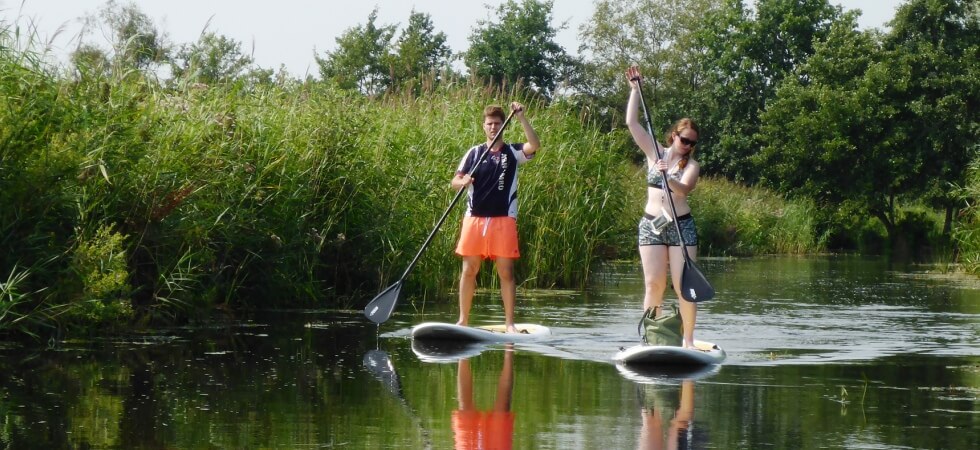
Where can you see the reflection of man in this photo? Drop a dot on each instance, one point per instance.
(492, 429)
(652, 433)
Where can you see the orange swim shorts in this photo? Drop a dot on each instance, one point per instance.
(489, 237)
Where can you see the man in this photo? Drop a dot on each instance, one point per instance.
(489, 229)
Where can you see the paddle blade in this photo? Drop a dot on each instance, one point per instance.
(694, 286)
(380, 309)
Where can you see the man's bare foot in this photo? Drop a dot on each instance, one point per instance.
(512, 329)
(461, 323)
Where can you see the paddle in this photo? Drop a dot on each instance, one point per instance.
(380, 308)
(694, 286)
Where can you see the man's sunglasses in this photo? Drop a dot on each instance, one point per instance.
(687, 141)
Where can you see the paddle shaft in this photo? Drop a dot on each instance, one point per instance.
(459, 194)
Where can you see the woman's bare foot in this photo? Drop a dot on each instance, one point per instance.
(512, 329)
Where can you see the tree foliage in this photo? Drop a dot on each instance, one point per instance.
(368, 61)
(716, 61)
(870, 120)
(742, 56)
(360, 61)
(420, 52)
(936, 43)
(519, 47)
(135, 40)
(829, 134)
(212, 59)
(651, 34)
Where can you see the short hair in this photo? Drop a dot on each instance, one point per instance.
(494, 111)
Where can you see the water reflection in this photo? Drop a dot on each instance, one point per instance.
(668, 418)
(443, 351)
(492, 429)
(813, 362)
(379, 364)
(665, 373)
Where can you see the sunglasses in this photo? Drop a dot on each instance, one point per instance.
(687, 141)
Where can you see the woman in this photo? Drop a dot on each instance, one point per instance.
(658, 240)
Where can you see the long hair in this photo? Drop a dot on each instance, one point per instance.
(681, 125)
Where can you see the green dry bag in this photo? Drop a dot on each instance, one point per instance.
(664, 329)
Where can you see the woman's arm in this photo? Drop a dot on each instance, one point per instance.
(640, 135)
(688, 181)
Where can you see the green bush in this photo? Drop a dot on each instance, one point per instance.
(100, 264)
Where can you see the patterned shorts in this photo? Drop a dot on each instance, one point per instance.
(669, 235)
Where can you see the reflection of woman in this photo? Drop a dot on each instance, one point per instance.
(678, 433)
(492, 429)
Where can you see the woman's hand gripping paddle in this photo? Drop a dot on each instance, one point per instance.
(379, 310)
(694, 286)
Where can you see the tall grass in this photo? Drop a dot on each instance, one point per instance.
(966, 234)
(737, 220)
(273, 195)
(127, 201)
(569, 195)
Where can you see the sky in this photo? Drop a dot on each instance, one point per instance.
(292, 31)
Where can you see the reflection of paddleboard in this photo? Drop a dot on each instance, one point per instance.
(663, 355)
(446, 351)
(665, 374)
(484, 333)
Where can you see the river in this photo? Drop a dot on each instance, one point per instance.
(822, 352)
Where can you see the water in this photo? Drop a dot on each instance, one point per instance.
(823, 352)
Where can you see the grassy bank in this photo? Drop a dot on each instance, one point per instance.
(737, 220)
(127, 202)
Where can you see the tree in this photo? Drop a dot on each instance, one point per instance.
(212, 59)
(649, 33)
(362, 58)
(783, 35)
(89, 59)
(715, 61)
(135, 41)
(420, 52)
(937, 44)
(743, 56)
(830, 132)
(871, 121)
(519, 47)
(729, 95)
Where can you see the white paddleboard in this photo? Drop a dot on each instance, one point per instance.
(483, 333)
(705, 353)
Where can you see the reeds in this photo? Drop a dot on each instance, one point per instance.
(737, 220)
(127, 200)
(966, 234)
(265, 195)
